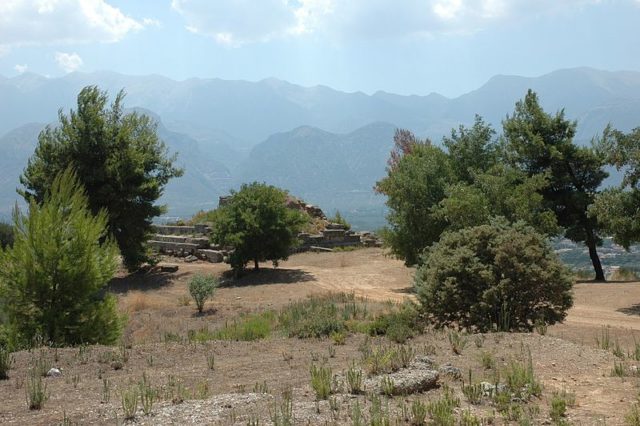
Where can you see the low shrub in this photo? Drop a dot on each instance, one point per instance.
(321, 378)
(247, 328)
(201, 288)
(6, 361)
(320, 316)
(496, 276)
(36, 390)
(398, 325)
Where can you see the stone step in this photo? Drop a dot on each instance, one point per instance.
(165, 247)
(180, 230)
(201, 242)
(213, 256)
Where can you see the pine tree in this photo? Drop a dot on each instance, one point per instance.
(53, 279)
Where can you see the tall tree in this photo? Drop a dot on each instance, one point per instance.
(430, 190)
(118, 158)
(618, 209)
(472, 150)
(538, 143)
(256, 222)
(416, 182)
(53, 278)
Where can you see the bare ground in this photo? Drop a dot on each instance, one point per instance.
(566, 358)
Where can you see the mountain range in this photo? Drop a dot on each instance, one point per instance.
(326, 146)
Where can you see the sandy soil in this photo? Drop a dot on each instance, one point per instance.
(156, 303)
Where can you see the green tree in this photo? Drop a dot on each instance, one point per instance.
(472, 150)
(415, 183)
(618, 209)
(496, 276)
(118, 159)
(538, 143)
(256, 222)
(53, 279)
(500, 192)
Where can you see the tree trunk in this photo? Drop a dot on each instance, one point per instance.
(256, 266)
(595, 259)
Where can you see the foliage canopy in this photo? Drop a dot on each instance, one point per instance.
(496, 276)
(53, 279)
(256, 222)
(539, 143)
(618, 209)
(430, 190)
(119, 160)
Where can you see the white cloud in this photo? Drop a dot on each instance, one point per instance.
(20, 68)
(38, 22)
(151, 22)
(237, 22)
(68, 61)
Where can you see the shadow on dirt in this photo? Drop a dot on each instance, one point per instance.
(143, 281)
(630, 310)
(404, 290)
(266, 277)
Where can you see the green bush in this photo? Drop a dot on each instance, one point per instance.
(398, 325)
(201, 288)
(494, 276)
(339, 219)
(53, 279)
(318, 316)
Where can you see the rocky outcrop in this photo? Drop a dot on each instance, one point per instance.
(421, 375)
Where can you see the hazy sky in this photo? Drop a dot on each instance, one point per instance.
(402, 46)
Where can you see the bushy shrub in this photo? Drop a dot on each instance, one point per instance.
(494, 276)
(338, 218)
(398, 325)
(201, 288)
(53, 279)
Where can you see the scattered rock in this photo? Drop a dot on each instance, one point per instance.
(190, 258)
(489, 389)
(168, 268)
(451, 371)
(419, 376)
(213, 256)
(54, 372)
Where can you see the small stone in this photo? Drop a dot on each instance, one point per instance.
(190, 258)
(168, 268)
(54, 372)
(451, 371)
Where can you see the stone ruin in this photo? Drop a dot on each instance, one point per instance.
(192, 242)
(186, 241)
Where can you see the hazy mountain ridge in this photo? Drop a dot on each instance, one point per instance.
(252, 111)
(229, 132)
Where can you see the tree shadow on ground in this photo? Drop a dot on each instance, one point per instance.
(630, 310)
(266, 277)
(143, 281)
(405, 290)
(606, 282)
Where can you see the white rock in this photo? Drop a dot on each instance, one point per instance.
(54, 372)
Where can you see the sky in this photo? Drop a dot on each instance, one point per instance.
(400, 46)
